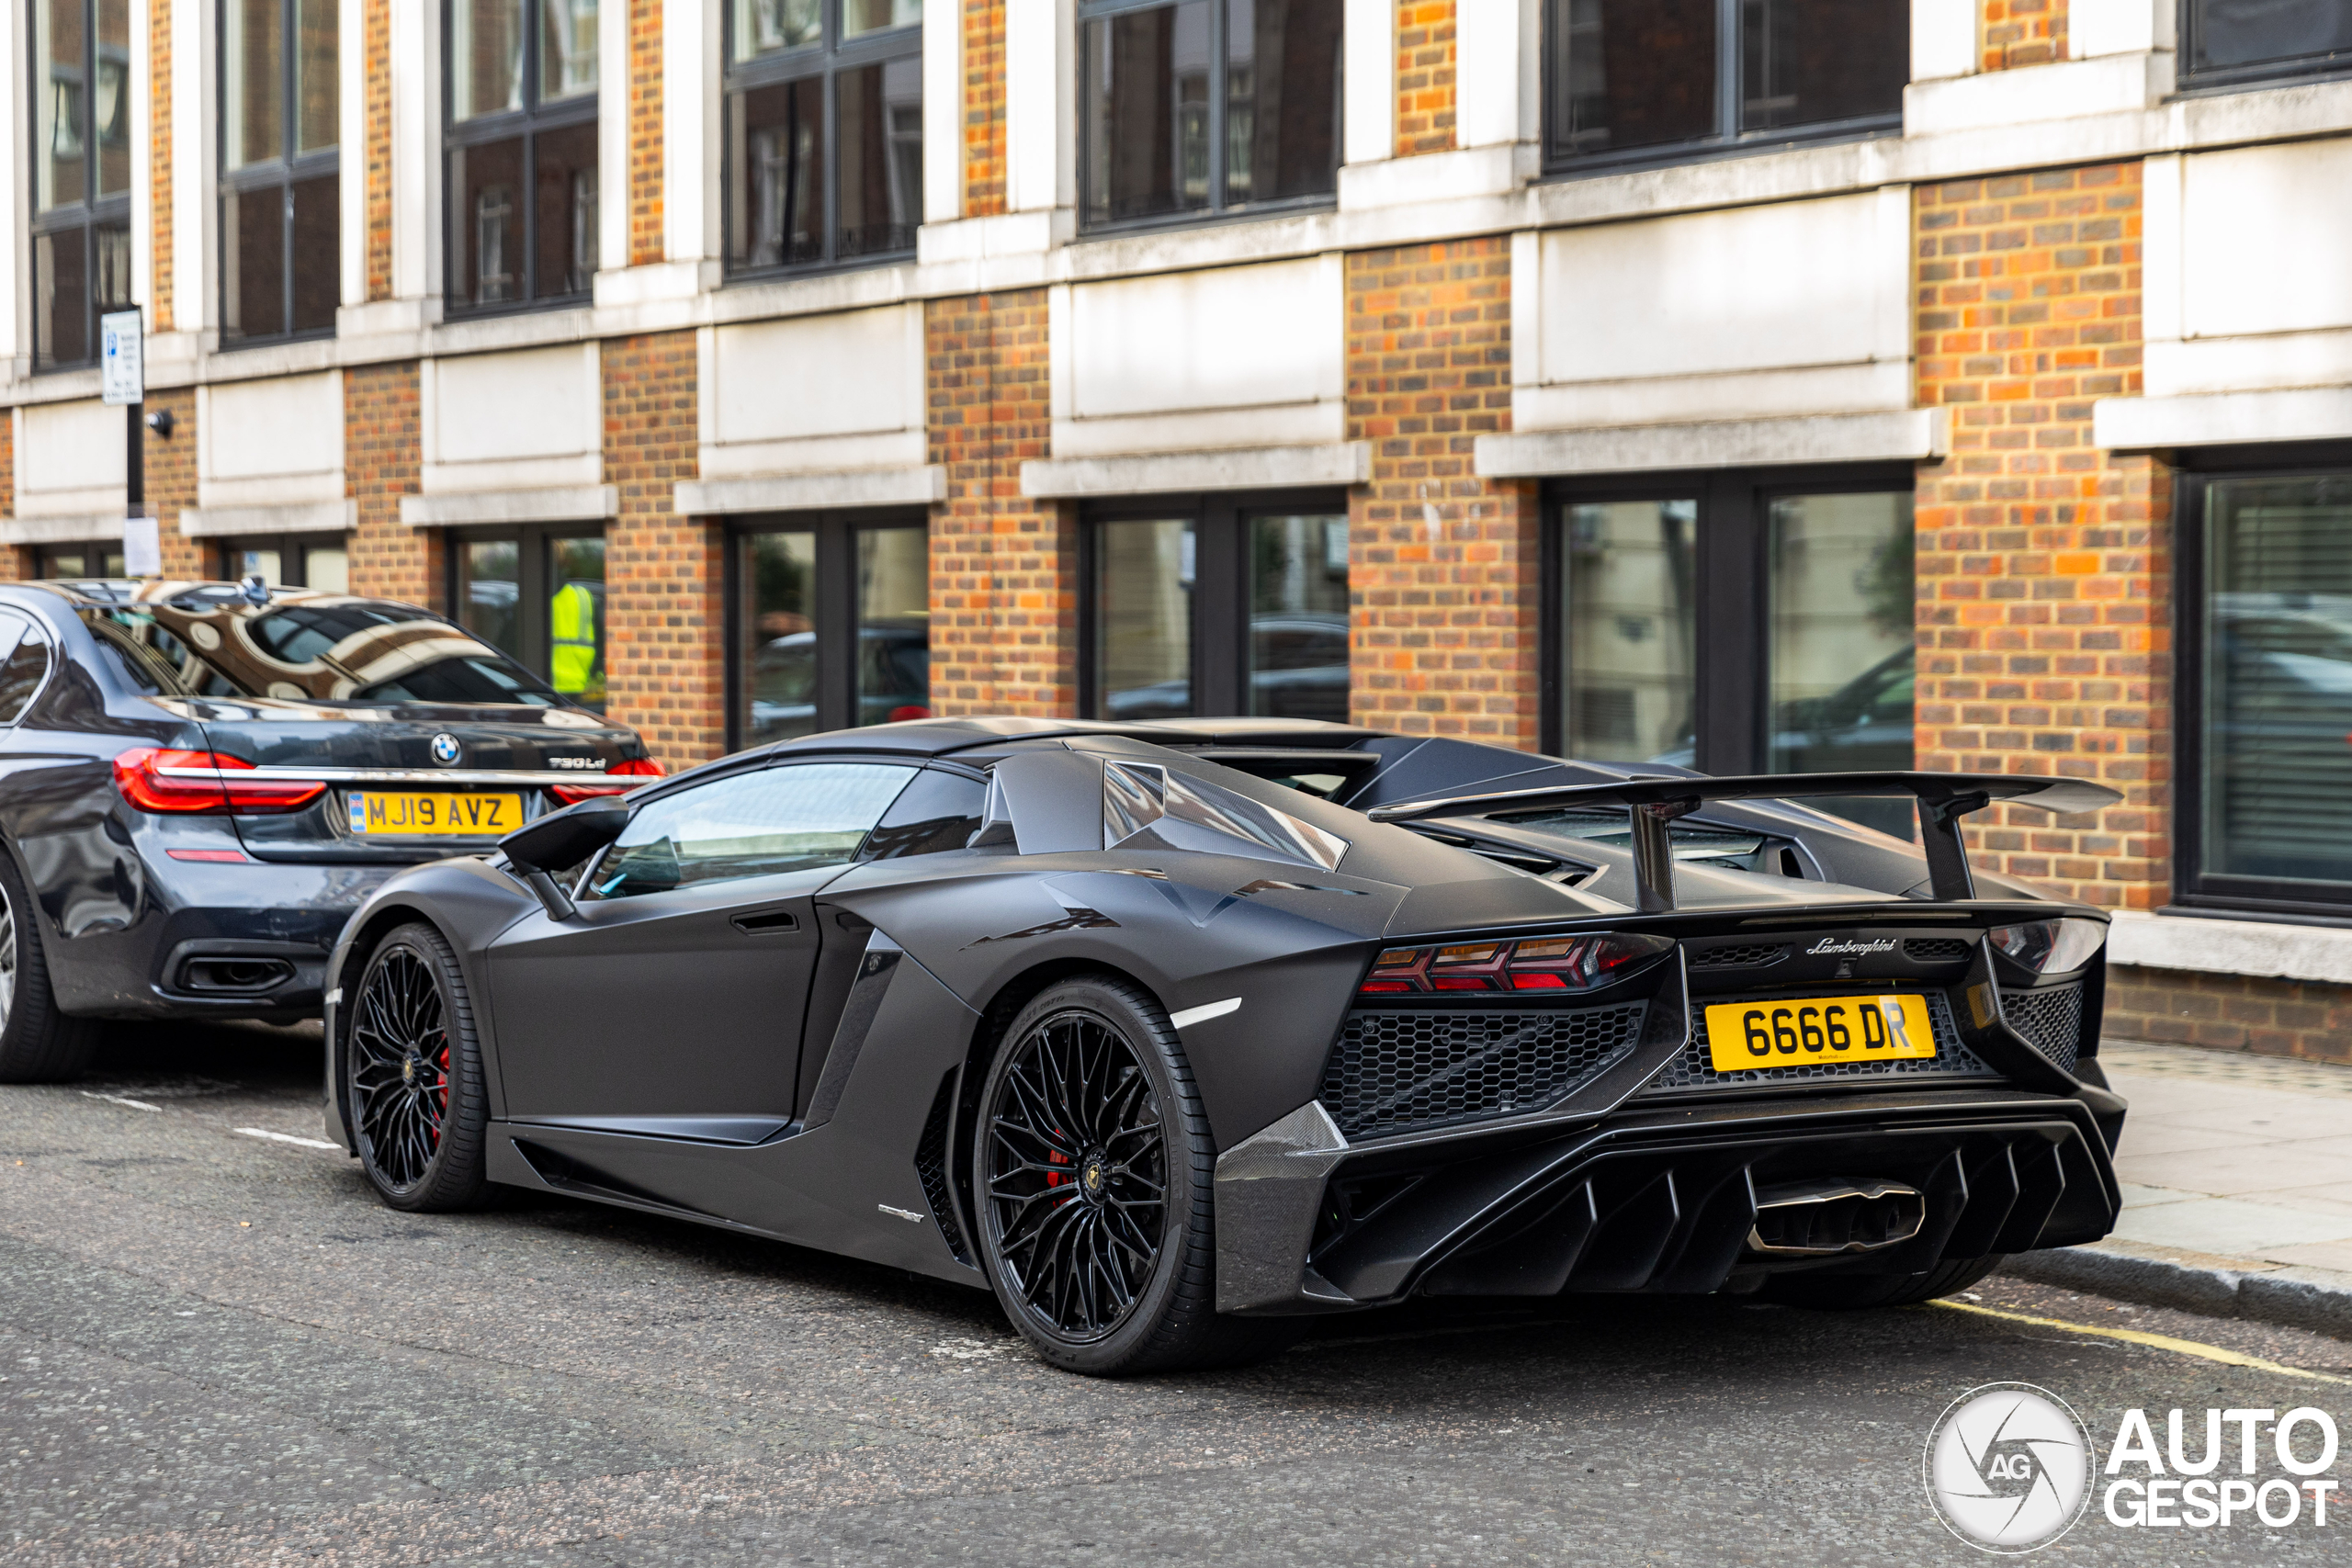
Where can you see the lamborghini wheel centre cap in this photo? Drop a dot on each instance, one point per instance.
(1091, 1174)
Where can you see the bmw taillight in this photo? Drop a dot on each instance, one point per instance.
(166, 780)
(635, 768)
(1536, 964)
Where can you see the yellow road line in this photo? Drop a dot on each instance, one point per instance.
(2159, 1341)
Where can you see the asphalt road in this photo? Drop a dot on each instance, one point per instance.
(217, 1348)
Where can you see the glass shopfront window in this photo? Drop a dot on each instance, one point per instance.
(536, 594)
(1737, 623)
(831, 624)
(2266, 625)
(286, 561)
(1220, 607)
(95, 557)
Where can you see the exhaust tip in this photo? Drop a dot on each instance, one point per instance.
(1832, 1218)
(234, 976)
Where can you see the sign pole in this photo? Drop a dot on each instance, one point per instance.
(122, 379)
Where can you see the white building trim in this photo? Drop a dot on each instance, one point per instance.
(922, 486)
(69, 528)
(1908, 435)
(1246, 468)
(2223, 419)
(559, 503)
(2322, 954)
(320, 517)
(1368, 74)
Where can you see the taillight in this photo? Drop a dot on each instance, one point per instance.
(635, 768)
(1538, 964)
(162, 780)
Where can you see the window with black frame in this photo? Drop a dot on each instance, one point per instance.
(2224, 43)
(522, 153)
(1218, 608)
(1722, 623)
(286, 561)
(1207, 106)
(2266, 625)
(536, 594)
(831, 624)
(1663, 78)
(824, 131)
(81, 175)
(280, 219)
(85, 558)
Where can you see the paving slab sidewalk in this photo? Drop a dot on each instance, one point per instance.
(2237, 1189)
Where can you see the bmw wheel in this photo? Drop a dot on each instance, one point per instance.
(38, 1043)
(1092, 1172)
(414, 1069)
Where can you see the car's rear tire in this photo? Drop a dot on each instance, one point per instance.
(414, 1080)
(1090, 1095)
(1850, 1293)
(38, 1043)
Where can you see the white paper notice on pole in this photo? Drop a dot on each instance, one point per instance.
(122, 379)
(143, 548)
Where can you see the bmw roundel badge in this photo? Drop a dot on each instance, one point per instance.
(446, 750)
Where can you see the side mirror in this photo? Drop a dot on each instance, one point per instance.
(561, 839)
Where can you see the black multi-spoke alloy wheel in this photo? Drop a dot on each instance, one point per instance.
(38, 1043)
(1092, 1175)
(413, 1074)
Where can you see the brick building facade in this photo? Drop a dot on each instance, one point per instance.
(1451, 370)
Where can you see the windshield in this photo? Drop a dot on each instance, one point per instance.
(327, 648)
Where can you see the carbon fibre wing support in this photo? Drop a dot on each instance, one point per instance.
(1944, 799)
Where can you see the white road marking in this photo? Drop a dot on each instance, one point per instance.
(288, 1138)
(1204, 1012)
(118, 1100)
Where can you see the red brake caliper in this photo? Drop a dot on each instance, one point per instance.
(1054, 1178)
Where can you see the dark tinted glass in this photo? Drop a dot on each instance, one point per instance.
(761, 823)
(1143, 619)
(1282, 94)
(1298, 617)
(779, 624)
(567, 216)
(21, 671)
(1816, 62)
(488, 184)
(62, 298)
(881, 157)
(490, 589)
(1145, 98)
(893, 625)
(252, 230)
(1629, 630)
(779, 217)
(939, 811)
(2308, 33)
(1632, 74)
(2277, 786)
(318, 282)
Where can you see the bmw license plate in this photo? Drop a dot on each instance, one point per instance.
(380, 813)
(1744, 1036)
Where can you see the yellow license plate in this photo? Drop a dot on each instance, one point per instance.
(1743, 1036)
(379, 812)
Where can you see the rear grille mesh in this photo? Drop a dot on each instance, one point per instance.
(1394, 1070)
(1937, 950)
(2051, 1020)
(1690, 1070)
(1745, 956)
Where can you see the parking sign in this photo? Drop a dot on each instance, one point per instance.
(122, 375)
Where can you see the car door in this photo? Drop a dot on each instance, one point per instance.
(672, 1002)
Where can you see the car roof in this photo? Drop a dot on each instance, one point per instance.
(944, 736)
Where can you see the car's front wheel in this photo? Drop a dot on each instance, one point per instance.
(412, 1065)
(1093, 1169)
(38, 1043)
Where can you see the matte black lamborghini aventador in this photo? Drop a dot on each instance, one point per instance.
(1173, 1034)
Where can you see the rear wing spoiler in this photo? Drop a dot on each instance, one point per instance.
(1653, 802)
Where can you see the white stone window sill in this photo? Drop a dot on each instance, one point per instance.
(2232, 947)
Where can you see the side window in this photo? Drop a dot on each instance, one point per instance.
(939, 811)
(754, 824)
(21, 671)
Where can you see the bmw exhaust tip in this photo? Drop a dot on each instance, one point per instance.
(1831, 1219)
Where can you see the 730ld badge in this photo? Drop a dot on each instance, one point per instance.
(1743, 1036)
